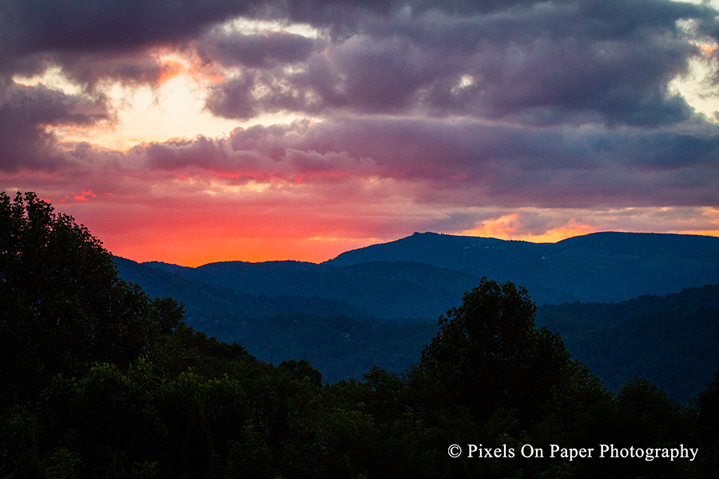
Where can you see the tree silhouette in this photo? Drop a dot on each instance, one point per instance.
(64, 307)
(488, 354)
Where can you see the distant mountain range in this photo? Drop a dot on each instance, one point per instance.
(341, 340)
(425, 274)
(380, 304)
(380, 289)
(596, 267)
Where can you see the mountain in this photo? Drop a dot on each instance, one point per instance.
(205, 302)
(671, 340)
(423, 275)
(383, 289)
(341, 340)
(596, 267)
(379, 305)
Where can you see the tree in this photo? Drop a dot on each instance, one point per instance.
(488, 354)
(301, 370)
(63, 305)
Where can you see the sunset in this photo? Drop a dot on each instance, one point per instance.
(189, 132)
(362, 239)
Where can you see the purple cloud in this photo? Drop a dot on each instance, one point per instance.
(257, 50)
(548, 63)
(26, 111)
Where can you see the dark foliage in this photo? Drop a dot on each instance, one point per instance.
(64, 307)
(104, 382)
(489, 354)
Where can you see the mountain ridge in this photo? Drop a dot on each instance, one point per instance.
(437, 268)
(605, 266)
(346, 317)
(385, 290)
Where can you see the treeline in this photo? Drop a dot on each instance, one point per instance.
(100, 380)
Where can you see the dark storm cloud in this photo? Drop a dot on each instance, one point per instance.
(106, 40)
(255, 92)
(91, 25)
(34, 32)
(342, 17)
(262, 86)
(459, 164)
(175, 155)
(357, 75)
(538, 63)
(33, 26)
(250, 161)
(90, 68)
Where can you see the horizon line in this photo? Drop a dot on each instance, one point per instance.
(518, 240)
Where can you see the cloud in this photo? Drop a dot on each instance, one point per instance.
(550, 225)
(474, 164)
(444, 163)
(86, 25)
(25, 114)
(255, 50)
(538, 64)
(89, 69)
(254, 93)
(534, 63)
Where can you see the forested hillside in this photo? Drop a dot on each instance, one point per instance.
(382, 289)
(340, 340)
(425, 274)
(101, 380)
(672, 340)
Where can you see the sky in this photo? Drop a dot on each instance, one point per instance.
(193, 131)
